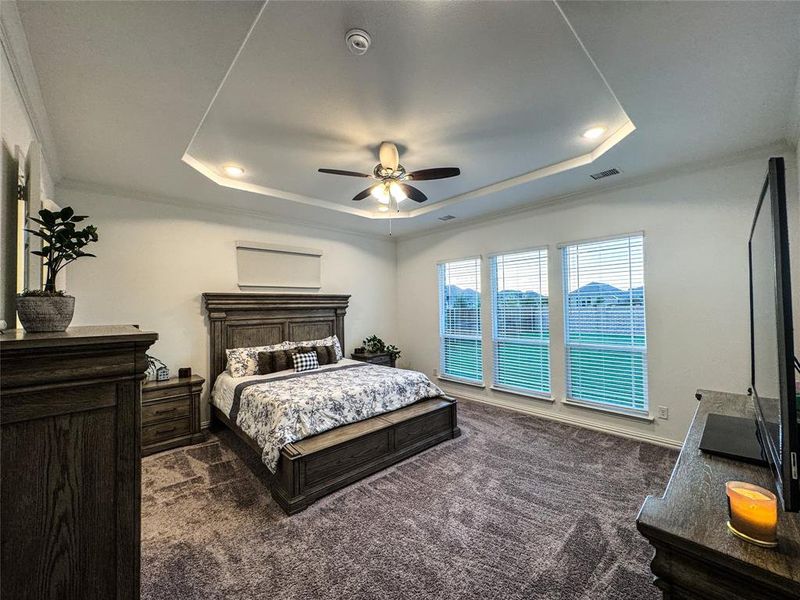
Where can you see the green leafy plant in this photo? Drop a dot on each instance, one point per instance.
(394, 351)
(374, 344)
(62, 244)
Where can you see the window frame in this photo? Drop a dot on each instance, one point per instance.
(643, 413)
(496, 385)
(443, 336)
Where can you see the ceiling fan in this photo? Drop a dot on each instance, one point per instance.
(393, 178)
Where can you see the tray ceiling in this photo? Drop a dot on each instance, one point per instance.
(505, 94)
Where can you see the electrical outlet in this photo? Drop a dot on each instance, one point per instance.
(663, 412)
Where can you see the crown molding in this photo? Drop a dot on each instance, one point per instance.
(581, 197)
(74, 185)
(571, 199)
(14, 42)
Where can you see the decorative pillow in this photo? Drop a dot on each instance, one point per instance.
(328, 341)
(322, 355)
(305, 361)
(274, 361)
(330, 351)
(244, 361)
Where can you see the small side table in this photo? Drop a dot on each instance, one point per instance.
(378, 358)
(171, 413)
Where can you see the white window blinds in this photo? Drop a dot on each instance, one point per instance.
(520, 322)
(604, 315)
(461, 356)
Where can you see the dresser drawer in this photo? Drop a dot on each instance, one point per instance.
(166, 410)
(159, 432)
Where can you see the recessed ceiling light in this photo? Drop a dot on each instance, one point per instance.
(594, 133)
(233, 170)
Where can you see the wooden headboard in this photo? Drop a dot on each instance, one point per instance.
(243, 320)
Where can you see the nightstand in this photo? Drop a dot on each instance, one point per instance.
(379, 358)
(171, 413)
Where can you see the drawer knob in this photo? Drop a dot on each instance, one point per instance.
(164, 411)
(166, 430)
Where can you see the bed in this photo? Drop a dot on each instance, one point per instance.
(310, 456)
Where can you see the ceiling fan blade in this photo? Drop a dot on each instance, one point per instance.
(363, 194)
(339, 172)
(389, 156)
(413, 192)
(438, 173)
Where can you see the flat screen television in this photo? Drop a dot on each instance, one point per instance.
(772, 360)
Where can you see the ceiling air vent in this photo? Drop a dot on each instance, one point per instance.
(607, 173)
(447, 218)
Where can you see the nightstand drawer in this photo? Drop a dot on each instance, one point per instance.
(152, 434)
(149, 392)
(166, 409)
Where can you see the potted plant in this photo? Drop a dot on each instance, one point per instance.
(49, 309)
(375, 345)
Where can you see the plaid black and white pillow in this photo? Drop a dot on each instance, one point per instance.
(305, 361)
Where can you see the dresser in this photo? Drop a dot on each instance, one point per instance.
(70, 460)
(171, 413)
(696, 558)
(375, 358)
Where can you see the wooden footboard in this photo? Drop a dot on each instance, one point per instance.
(319, 465)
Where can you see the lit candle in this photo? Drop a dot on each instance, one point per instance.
(753, 513)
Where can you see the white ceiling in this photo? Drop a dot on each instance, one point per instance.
(498, 89)
(498, 92)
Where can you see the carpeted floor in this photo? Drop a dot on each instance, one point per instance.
(517, 507)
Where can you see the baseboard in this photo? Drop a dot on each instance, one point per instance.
(568, 419)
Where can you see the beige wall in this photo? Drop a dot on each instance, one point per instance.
(155, 260)
(696, 229)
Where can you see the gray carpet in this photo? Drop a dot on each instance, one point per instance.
(517, 507)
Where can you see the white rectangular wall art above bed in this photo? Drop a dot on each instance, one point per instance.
(262, 265)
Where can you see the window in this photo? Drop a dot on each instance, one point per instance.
(461, 357)
(604, 317)
(520, 322)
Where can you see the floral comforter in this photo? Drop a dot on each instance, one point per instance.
(280, 410)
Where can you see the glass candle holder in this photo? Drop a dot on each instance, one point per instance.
(753, 513)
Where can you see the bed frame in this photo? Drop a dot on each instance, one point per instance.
(318, 465)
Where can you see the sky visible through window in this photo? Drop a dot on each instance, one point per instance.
(606, 261)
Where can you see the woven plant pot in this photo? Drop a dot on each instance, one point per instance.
(40, 313)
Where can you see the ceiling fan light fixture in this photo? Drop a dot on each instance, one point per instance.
(381, 193)
(233, 170)
(383, 208)
(397, 192)
(594, 132)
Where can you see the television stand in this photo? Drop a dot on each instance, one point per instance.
(733, 437)
(696, 557)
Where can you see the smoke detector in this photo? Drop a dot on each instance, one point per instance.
(358, 41)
